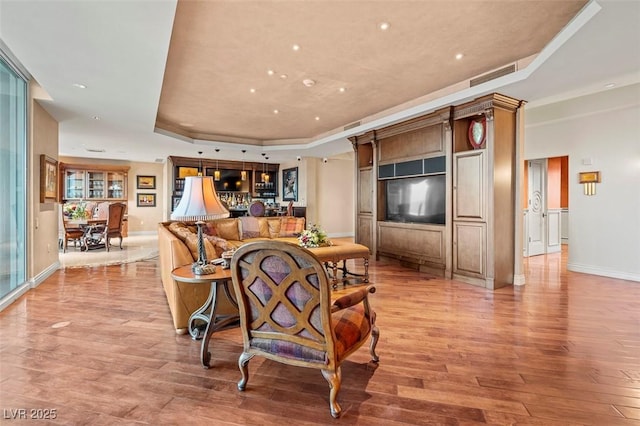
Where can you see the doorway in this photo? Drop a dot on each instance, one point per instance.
(546, 207)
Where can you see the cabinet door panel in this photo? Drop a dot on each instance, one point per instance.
(365, 231)
(469, 185)
(469, 248)
(365, 189)
(95, 185)
(74, 184)
(116, 185)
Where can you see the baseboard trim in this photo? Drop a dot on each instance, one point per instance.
(140, 233)
(588, 269)
(28, 285)
(38, 279)
(519, 279)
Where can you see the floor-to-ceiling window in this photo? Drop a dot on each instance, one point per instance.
(13, 150)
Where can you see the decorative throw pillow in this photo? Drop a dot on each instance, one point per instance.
(220, 245)
(228, 229)
(188, 234)
(274, 227)
(209, 228)
(291, 226)
(254, 227)
(181, 230)
(192, 244)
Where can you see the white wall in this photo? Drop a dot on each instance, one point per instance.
(327, 191)
(604, 128)
(335, 205)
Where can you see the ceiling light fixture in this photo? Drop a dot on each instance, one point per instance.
(95, 117)
(266, 173)
(275, 111)
(271, 72)
(216, 174)
(459, 56)
(342, 90)
(308, 82)
(296, 47)
(317, 118)
(283, 76)
(384, 26)
(79, 85)
(252, 90)
(609, 86)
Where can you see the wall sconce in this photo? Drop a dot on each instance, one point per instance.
(589, 180)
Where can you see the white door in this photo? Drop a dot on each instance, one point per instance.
(537, 200)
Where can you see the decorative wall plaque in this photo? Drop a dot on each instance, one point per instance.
(477, 132)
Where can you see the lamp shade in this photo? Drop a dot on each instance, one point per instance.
(199, 201)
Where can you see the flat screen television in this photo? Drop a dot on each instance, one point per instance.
(416, 199)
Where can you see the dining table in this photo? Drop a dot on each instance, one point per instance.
(88, 225)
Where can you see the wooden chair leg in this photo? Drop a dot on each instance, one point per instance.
(375, 335)
(333, 378)
(243, 362)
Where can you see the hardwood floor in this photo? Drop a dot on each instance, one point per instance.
(97, 345)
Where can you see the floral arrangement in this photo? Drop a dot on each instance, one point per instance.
(313, 237)
(76, 210)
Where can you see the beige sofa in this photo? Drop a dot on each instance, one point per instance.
(177, 244)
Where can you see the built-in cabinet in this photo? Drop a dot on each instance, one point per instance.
(93, 182)
(464, 229)
(484, 180)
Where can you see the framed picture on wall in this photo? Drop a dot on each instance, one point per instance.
(175, 199)
(145, 200)
(48, 179)
(145, 182)
(184, 172)
(290, 184)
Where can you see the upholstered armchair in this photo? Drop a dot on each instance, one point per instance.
(286, 313)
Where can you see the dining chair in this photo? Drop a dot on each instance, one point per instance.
(72, 232)
(112, 227)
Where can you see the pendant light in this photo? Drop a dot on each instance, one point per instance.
(266, 175)
(243, 173)
(216, 174)
(263, 170)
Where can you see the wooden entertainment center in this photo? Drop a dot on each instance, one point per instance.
(473, 148)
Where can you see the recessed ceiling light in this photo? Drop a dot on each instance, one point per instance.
(609, 86)
(459, 56)
(317, 118)
(283, 76)
(342, 89)
(275, 111)
(186, 124)
(384, 26)
(271, 72)
(252, 90)
(79, 86)
(308, 82)
(95, 117)
(296, 47)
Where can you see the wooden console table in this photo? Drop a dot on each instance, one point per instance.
(207, 317)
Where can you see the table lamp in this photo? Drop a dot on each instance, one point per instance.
(199, 202)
